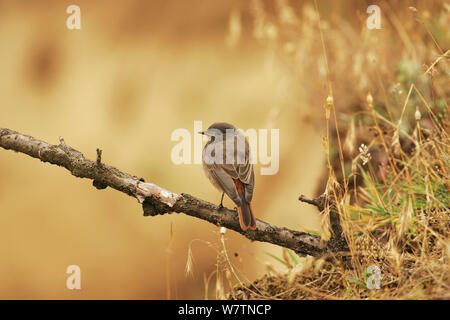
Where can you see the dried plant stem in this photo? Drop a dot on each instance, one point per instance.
(330, 95)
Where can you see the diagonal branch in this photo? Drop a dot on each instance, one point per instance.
(154, 199)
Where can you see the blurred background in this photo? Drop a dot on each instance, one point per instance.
(138, 70)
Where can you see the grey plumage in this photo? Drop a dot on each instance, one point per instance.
(226, 162)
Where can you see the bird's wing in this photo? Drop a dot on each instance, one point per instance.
(241, 168)
(249, 187)
(225, 182)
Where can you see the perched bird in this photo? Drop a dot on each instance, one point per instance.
(226, 162)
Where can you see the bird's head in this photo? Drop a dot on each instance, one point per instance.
(218, 129)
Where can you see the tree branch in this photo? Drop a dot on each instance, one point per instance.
(337, 242)
(154, 199)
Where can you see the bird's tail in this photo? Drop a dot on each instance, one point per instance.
(246, 217)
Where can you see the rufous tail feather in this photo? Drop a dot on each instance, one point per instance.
(246, 217)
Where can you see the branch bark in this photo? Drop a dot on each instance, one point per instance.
(156, 200)
(337, 242)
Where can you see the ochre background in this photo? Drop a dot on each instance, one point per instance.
(137, 71)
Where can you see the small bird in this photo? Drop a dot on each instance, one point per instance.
(226, 162)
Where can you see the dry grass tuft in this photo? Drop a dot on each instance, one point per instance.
(390, 174)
